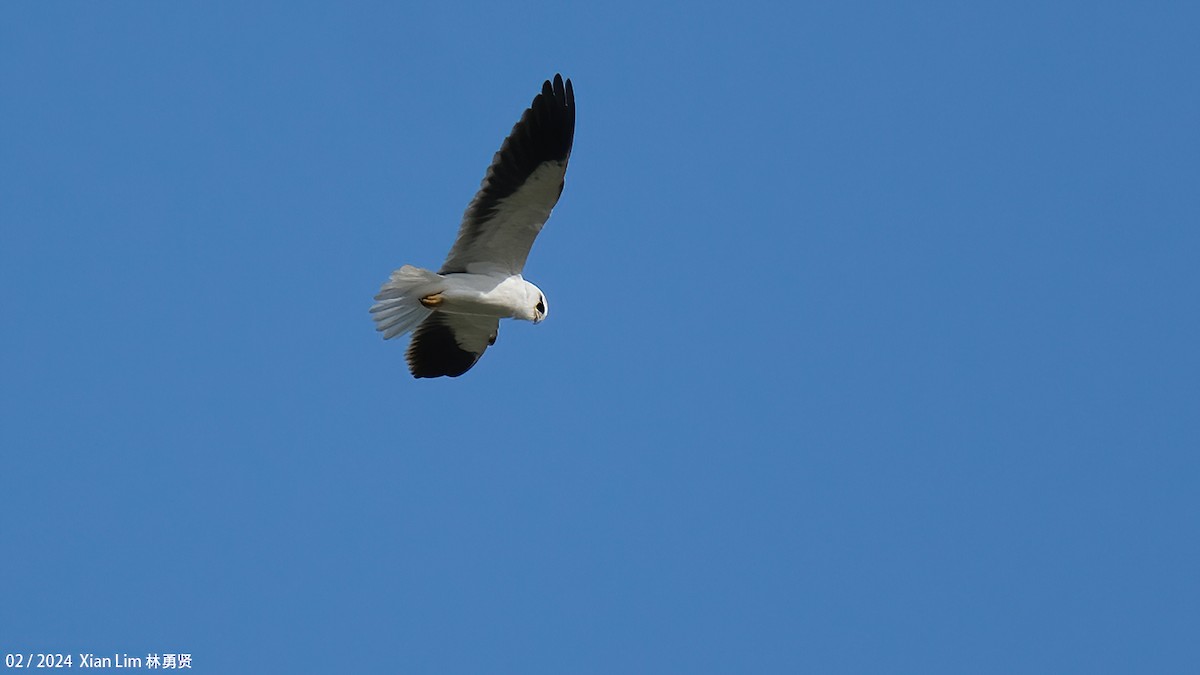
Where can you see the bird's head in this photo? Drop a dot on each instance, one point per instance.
(536, 305)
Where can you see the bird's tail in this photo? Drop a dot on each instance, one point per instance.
(398, 308)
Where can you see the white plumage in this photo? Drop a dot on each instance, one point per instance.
(455, 313)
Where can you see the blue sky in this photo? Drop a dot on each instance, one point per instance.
(872, 342)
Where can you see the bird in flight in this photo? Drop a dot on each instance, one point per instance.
(454, 314)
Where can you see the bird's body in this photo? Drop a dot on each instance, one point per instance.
(494, 295)
(454, 313)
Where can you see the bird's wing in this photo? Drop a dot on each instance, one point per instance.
(521, 187)
(449, 344)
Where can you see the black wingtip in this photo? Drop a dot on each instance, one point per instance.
(554, 110)
(434, 352)
(563, 94)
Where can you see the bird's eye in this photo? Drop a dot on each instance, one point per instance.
(541, 306)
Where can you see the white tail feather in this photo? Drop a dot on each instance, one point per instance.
(398, 308)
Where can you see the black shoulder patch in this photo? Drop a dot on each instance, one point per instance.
(434, 352)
